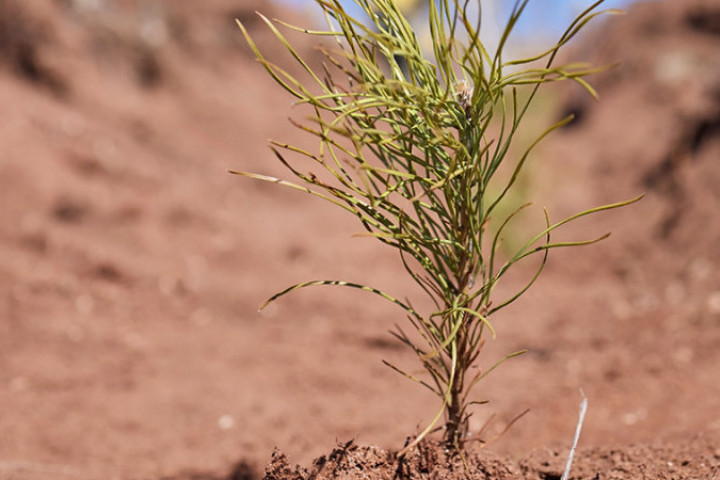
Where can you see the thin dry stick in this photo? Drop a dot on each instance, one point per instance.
(583, 410)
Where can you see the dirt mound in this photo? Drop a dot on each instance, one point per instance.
(698, 459)
(350, 461)
(132, 264)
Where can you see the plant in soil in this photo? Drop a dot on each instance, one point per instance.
(421, 149)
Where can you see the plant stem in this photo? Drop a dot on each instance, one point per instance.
(457, 424)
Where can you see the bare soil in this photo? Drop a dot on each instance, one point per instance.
(132, 265)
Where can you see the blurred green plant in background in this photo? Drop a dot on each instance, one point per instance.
(413, 148)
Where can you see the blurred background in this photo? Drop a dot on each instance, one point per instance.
(132, 264)
(543, 20)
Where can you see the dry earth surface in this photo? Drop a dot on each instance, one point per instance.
(132, 265)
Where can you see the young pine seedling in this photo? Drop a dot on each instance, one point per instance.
(412, 147)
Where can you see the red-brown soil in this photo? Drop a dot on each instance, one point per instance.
(132, 265)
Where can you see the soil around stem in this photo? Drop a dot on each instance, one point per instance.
(697, 458)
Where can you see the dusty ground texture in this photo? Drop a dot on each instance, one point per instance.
(349, 461)
(132, 265)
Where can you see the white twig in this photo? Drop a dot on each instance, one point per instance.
(583, 409)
